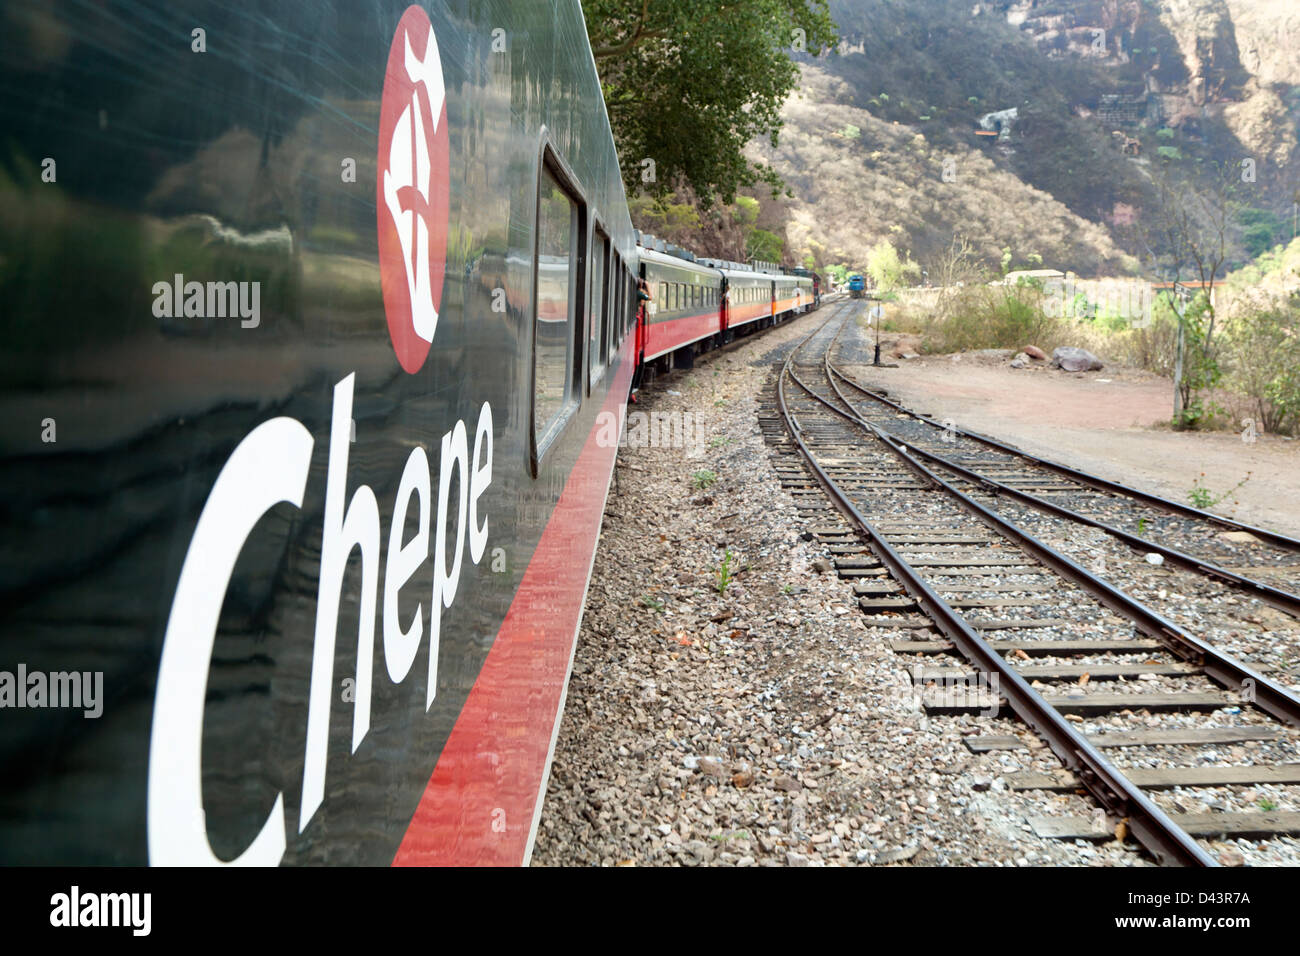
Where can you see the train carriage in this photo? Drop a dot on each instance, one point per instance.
(788, 298)
(686, 303)
(305, 470)
(303, 475)
(749, 298)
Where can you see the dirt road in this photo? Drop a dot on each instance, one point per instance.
(1112, 422)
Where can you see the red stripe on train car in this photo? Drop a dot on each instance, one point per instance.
(663, 337)
(480, 803)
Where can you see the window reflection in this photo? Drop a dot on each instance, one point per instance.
(556, 226)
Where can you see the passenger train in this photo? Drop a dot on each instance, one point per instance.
(695, 305)
(313, 311)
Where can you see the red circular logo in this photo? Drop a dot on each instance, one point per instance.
(412, 189)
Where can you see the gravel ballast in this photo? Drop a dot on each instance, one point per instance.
(768, 724)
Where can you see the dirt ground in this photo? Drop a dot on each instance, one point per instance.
(1113, 422)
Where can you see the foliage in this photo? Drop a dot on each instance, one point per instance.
(764, 245)
(1192, 237)
(660, 216)
(887, 269)
(688, 83)
(1260, 229)
(724, 575)
(1202, 497)
(1263, 354)
(1201, 370)
(703, 478)
(995, 316)
(839, 273)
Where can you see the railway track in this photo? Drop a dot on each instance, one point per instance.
(1040, 634)
(1257, 561)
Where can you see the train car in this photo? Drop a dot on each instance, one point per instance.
(686, 307)
(811, 289)
(787, 299)
(749, 298)
(857, 286)
(316, 319)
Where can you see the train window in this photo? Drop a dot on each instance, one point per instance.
(617, 279)
(612, 320)
(663, 296)
(597, 313)
(557, 288)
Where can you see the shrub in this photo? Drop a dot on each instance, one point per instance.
(1263, 356)
(1009, 317)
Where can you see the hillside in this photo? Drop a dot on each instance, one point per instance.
(1084, 102)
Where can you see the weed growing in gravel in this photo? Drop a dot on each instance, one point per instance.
(720, 403)
(703, 479)
(787, 589)
(1265, 803)
(1202, 497)
(721, 441)
(724, 573)
(653, 603)
(1142, 525)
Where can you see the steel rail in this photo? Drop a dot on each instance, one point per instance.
(1093, 481)
(1149, 824)
(1268, 695)
(1282, 600)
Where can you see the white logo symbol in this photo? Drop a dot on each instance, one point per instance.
(406, 181)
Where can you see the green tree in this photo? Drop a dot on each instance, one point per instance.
(688, 83)
(764, 245)
(1260, 229)
(887, 269)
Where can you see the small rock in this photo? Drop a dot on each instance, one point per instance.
(786, 783)
(1034, 352)
(795, 859)
(900, 855)
(1231, 856)
(711, 767)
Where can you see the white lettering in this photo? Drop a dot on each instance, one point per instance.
(267, 467)
(341, 533)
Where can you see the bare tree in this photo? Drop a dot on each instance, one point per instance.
(1189, 241)
(957, 266)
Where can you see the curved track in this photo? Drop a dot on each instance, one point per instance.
(973, 574)
(1264, 564)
